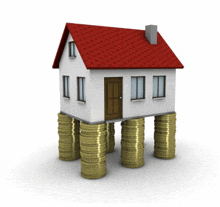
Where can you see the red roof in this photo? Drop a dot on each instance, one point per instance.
(117, 48)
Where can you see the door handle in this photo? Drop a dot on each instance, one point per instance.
(120, 97)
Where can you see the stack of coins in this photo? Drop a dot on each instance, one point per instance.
(164, 136)
(110, 138)
(132, 143)
(93, 150)
(69, 145)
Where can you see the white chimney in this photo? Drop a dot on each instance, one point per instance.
(151, 34)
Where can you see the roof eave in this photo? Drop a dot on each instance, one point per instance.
(122, 68)
(60, 48)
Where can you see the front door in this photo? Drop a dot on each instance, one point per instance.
(113, 98)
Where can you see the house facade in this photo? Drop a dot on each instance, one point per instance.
(98, 106)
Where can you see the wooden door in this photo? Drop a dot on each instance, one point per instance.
(113, 98)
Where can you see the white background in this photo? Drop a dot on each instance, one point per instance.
(31, 173)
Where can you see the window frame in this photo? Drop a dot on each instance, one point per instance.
(83, 89)
(74, 49)
(164, 87)
(137, 87)
(64, 87)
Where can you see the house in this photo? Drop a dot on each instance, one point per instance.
(112, 74)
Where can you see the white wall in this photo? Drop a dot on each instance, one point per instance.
(74, 67)
(130, 108)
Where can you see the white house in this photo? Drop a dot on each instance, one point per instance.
(108, 75)
(112, 74)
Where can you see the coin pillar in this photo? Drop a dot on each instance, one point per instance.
(69, 145)
(110, 137)
(93, 150)
(164, 136)
(132, 143)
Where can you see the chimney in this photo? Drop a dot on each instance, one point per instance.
(151, 34)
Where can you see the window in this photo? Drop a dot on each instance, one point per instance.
(137, 87)
(72, 49)
(66, 86)
(81, 89)
(158, 86)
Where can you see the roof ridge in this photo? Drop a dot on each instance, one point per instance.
(103, 26)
